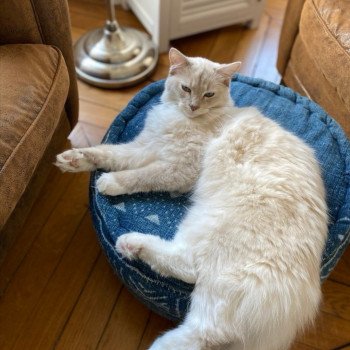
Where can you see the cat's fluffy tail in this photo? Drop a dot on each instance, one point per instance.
(271, 322)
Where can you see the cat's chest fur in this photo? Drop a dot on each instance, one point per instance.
(171, 133)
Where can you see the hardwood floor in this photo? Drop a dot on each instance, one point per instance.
(57, 289)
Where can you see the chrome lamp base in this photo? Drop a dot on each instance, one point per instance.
(114, 57)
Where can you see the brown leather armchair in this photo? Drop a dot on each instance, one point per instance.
(314, 54)
(38, 102)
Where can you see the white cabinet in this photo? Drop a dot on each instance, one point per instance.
(171, 19)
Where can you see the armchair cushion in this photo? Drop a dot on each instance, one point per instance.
(42, 22)
(33, 92)
(327, 22)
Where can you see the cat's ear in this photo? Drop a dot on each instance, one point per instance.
(227, 70)
(177, 60)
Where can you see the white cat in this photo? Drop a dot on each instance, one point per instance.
(167, 155)
(253, 238)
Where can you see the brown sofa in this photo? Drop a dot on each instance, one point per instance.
(314, 54)
(38, 102)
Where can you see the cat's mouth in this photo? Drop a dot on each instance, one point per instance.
(194, 114)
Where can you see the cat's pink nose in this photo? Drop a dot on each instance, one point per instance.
(194, 108)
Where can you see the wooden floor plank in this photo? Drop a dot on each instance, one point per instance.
(126, 325)
(115, 99)
(85, 15)
(77, 33)
(329, 332)
(336, 299)
(98, 115)
(49, 196)
(301, 346)
(156, 326)
(345, 347)
(197, 45)
(227, 38)
(46, 322)
(85, 22)
(92, 312)
(30, 279)
(342, 273)
(162, 67)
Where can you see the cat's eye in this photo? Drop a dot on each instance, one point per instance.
(186, 88)
(209, 94)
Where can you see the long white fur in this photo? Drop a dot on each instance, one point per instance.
(253, 239)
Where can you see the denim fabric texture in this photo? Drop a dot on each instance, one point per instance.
(161, 213)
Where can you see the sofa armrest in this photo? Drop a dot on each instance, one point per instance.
(289, 32)
(42, 22)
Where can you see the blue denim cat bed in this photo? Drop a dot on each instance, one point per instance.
(160, 213)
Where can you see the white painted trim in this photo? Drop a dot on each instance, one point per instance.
(143, 14)
(170, 19)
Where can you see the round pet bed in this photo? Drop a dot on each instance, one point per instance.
(160, 213)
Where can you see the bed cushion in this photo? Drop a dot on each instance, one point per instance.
(160, 213)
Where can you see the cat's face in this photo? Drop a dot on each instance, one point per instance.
(197, 85)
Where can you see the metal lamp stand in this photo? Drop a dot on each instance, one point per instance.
(113, 57)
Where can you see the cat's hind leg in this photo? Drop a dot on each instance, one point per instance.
(209, 326)
(198, 332)
(184, 337)
(156, 176)
(168, 258)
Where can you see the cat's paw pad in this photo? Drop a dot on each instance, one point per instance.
(108, 185)
(129, 245)
(74, 160)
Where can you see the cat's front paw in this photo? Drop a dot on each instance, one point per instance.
(75, 160)
(107, 184)
(129, 245)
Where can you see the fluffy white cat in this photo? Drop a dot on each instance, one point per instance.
(253, 238)
(167, 154)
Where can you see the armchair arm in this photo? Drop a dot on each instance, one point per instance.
(42, 22)
(289, 32)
